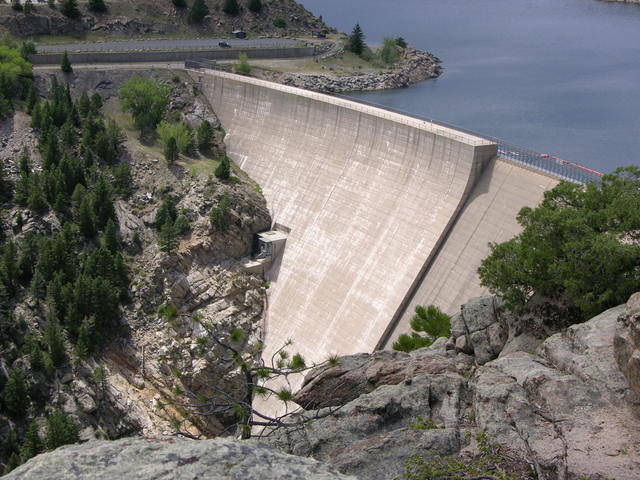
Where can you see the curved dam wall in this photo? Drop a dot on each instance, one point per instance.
(367, 197)
(489, 215)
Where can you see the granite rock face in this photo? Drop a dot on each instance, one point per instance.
(627, 343)
(172, 459)
(564, 408)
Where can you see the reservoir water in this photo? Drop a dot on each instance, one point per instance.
(559, 76)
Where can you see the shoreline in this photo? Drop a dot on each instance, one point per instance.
(414, 66)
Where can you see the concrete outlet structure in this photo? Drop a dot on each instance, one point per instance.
(382, 211)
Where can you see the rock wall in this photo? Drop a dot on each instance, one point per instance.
(564, 410)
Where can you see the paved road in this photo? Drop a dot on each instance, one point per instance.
(204, 43)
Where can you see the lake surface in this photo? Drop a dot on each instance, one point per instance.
(559, 76)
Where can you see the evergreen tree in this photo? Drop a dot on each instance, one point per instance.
(179, 3)
(83, 345)
(97, 6)
(102, 204)
(28, 6)
(205, 136)
(16, 5)
(182, 225)
(356, 40)
(198, 11)
(231, 7)
(96, 102)
(110, 238)
(171, 150)
(32, 444)
(32, 99)
(65, 64)
(167, 238)
(430, 320)
(84, 105)
(12, 463)
(85, 218)
(15, 394)
(69, 8)
(255, 5)
(223, 171)
(55, 342)
(219, 215)
(61, 430)
(6, 186)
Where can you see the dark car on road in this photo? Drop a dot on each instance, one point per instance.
(224, 45)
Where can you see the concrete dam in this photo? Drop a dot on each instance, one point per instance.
(382, 211)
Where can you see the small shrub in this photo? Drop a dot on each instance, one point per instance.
(242, 66)
(280, 23)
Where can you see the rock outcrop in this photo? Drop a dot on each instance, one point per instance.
(564, 408)
(172, 458)
(627, 343)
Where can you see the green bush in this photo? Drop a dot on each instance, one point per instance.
(389, 54)
(180, 132)
(430, 320)
(280, 23)
(242, 66)
(579, 246)
(146, 100)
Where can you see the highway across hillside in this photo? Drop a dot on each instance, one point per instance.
(154, 45)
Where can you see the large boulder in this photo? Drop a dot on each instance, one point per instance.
(627, 343)
(172, 458)
(566, 408)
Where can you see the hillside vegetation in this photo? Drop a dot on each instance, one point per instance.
(160, 17)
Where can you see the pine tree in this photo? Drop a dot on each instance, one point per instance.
(55, 342)
(85, 218)
(198, 11)
(97, 6)
(84, 105)
(171, 150)
(61, 430)
(32, 444)
(179, 3)
(356, 40)
(32, 99)
(255, 5)
(110, 238)
(96, 102)
(16, 5)
(205, 136)
(12, 463)
(167, 238)
(15, 394)
(231, 7)
(65, 64)
(69, 8)
(6, 185)
(83, 345)
(223, 171)
(28, 6)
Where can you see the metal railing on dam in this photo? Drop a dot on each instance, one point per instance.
(550, 164)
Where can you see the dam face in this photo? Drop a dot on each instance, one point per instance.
(380, 209)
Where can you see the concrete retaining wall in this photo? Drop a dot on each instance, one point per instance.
(170, 56)
(367, 194)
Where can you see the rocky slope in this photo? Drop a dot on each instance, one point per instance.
(156, 360)
(564, 410)
(159, 17)
(175, 459)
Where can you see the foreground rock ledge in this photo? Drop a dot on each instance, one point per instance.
(172, 458)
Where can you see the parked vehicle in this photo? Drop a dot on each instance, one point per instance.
(224, 45)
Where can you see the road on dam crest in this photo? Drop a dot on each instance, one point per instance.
(151, 45)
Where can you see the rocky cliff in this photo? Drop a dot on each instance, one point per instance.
(561, 410)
